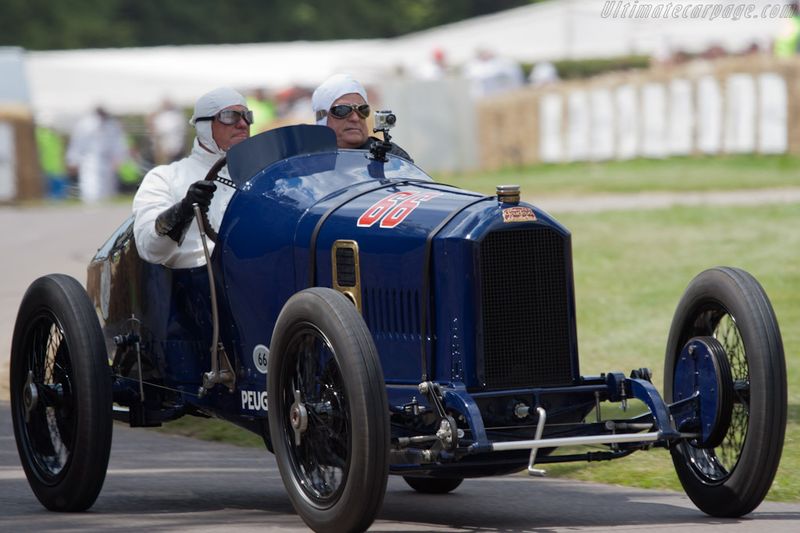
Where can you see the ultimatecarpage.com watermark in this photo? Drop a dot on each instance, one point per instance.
(635, 9)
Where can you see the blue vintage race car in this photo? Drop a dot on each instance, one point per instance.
(368, 321)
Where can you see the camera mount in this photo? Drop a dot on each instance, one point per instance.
(384, 121)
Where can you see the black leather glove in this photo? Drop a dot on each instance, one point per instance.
(200, 193)
(175, 221)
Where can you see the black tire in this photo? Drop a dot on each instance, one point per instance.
(433, 485)
(733, 478)
(336, 476)
(58, 353)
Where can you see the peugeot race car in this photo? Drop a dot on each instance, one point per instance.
(366, 320)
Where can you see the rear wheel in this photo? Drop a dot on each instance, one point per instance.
(433, 485)
(732, 478)
(328, 412)
(61, 394)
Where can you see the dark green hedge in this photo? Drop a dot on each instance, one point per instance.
(573, 69)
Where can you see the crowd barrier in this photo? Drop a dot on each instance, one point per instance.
(745, 104)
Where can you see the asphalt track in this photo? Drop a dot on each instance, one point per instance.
(166, 483)
(159, 482)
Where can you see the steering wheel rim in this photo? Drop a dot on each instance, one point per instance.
(211, 175)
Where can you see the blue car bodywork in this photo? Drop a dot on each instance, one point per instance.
(456, 292)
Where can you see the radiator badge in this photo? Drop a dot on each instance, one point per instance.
(518, 214)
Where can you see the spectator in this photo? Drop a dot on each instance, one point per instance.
(130, 171)
(97, 147)
(788, 40)
(543, 73)
(168, 133)
(341, 104)
(490, 75)
(263, 110)
(435, 68)
(162, 206)
(292, 105)
(51, 159)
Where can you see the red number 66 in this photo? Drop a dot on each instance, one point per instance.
(394, 209)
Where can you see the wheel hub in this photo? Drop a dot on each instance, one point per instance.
(298, 418)
(703, 372)
(30, 396)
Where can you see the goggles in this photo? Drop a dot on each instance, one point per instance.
(341, 111)
(229, 117)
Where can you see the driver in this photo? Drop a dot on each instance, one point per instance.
(341, 104)
(164, 216)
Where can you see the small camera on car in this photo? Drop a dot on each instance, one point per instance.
(384, 120)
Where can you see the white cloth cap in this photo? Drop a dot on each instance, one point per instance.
(331, 90)
(209, 105)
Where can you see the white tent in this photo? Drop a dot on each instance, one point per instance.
(135, 80)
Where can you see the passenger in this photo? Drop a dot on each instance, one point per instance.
(163, 225)
(341, 104)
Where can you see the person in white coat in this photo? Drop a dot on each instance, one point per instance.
(97, 147)
(164, 227)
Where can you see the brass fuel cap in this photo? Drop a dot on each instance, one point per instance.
(508, 194)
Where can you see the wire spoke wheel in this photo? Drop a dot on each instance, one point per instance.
(732, 478)
(320, 460)
(328, 412)
(50, 427)
(61, 394)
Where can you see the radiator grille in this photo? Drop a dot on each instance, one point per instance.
(526, 317)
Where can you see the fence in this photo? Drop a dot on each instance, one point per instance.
(731, 105)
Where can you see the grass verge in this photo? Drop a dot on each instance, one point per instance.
(212, 429)
(631, 267)
(694, 174)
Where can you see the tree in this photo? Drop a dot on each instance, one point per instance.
(48, 25)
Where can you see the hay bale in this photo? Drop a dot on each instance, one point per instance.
(28, 177)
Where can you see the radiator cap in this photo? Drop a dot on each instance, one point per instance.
(508, 194)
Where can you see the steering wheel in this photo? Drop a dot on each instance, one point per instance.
(211, 233)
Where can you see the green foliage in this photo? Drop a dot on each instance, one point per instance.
(574, 69)
(586, 68)
(47, 25)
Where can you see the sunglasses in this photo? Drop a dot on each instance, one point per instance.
(229, 117)
(344, 110)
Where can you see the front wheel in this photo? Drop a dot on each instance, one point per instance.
(733, 477)
(61, 399)
(328, 412)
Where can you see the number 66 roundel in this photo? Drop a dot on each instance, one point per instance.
(393, 209)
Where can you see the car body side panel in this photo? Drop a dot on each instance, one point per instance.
(172, 308)
(261, 243)
(262, 258)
